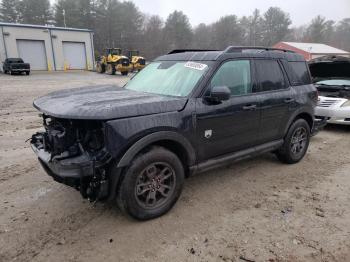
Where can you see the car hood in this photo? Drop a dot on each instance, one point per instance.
(328, 67)
(105, 102)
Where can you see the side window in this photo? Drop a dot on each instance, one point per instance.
(270, 75)
(302, 76)
(235, 75)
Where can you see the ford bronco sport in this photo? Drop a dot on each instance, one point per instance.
(186, 112)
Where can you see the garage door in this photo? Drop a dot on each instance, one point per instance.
(33, 52)
(74, 55)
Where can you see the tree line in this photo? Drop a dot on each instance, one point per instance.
(122, 24)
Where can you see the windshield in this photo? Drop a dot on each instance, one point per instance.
(335, 82)
(172, 78)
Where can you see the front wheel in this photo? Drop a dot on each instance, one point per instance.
(296, 143)
(151, 185)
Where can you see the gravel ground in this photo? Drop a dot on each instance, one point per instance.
(258, 209)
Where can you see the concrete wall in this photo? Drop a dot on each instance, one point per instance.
(52, 38)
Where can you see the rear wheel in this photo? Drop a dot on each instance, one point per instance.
(110, 69)
(296, 142)
(100, 68)
(151, 185)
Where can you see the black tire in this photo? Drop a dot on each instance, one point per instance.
(100, 68)
(12, 73)
(110, 69)
(296, 142)
(135, 191)
(125, 73)
(27, 73)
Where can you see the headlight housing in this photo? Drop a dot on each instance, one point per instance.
(347, 103)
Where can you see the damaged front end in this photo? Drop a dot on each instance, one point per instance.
(73, 152)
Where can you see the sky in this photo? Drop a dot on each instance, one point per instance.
(208, 11)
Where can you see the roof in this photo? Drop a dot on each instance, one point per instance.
(316, 48)
(51, 27)
(231, 52)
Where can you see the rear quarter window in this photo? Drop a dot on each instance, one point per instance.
(301, 74)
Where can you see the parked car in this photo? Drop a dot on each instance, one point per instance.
(186, 112)
(15, 65)
(331, 75)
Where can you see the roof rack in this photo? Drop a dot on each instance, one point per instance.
(232, 49)
(176, 51)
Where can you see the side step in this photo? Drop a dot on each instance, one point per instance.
(236, 156)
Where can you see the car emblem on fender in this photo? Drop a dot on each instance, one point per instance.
(208, 133)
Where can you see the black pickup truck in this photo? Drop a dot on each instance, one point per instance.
(15, 65)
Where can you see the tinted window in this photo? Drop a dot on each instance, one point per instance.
(14, 60)
(270, 75)
(235, 75)
(301, 74)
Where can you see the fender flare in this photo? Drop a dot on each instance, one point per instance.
(155, 137)
(292, 118)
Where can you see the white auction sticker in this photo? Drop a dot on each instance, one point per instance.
(194, 65)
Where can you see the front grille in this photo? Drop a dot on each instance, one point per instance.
(327, 103)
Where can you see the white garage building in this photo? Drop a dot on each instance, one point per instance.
(46, 47)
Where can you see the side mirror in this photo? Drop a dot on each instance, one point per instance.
(219, 94)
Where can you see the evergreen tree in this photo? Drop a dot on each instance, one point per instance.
(275, 26)
(8, 11)
(177, 31)
(35, 12)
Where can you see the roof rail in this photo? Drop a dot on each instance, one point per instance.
(176, 51)
(231, 49)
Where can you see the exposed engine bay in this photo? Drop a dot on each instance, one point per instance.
(74, 142)
(334, 91)
(331, 68)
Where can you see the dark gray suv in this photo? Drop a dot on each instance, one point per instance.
(186, 112)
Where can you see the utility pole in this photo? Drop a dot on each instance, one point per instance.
(64, 17)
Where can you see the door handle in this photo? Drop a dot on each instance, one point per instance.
(289, 100)
(249, 107)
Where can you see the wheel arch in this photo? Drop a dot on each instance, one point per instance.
(301, 114)
(170, 140)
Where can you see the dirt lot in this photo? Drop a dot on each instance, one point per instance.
(259, 209)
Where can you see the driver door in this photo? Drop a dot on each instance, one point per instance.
(230, 125)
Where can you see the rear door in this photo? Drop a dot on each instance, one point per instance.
(231, 125)
(277, 99)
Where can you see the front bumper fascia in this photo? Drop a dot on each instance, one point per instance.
(65, 170)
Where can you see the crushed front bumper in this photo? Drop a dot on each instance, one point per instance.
(83, 172)
(64, 169)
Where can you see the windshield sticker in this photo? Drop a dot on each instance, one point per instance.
(197, 66)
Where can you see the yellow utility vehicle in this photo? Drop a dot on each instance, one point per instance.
(138, 62)
(113, 61)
